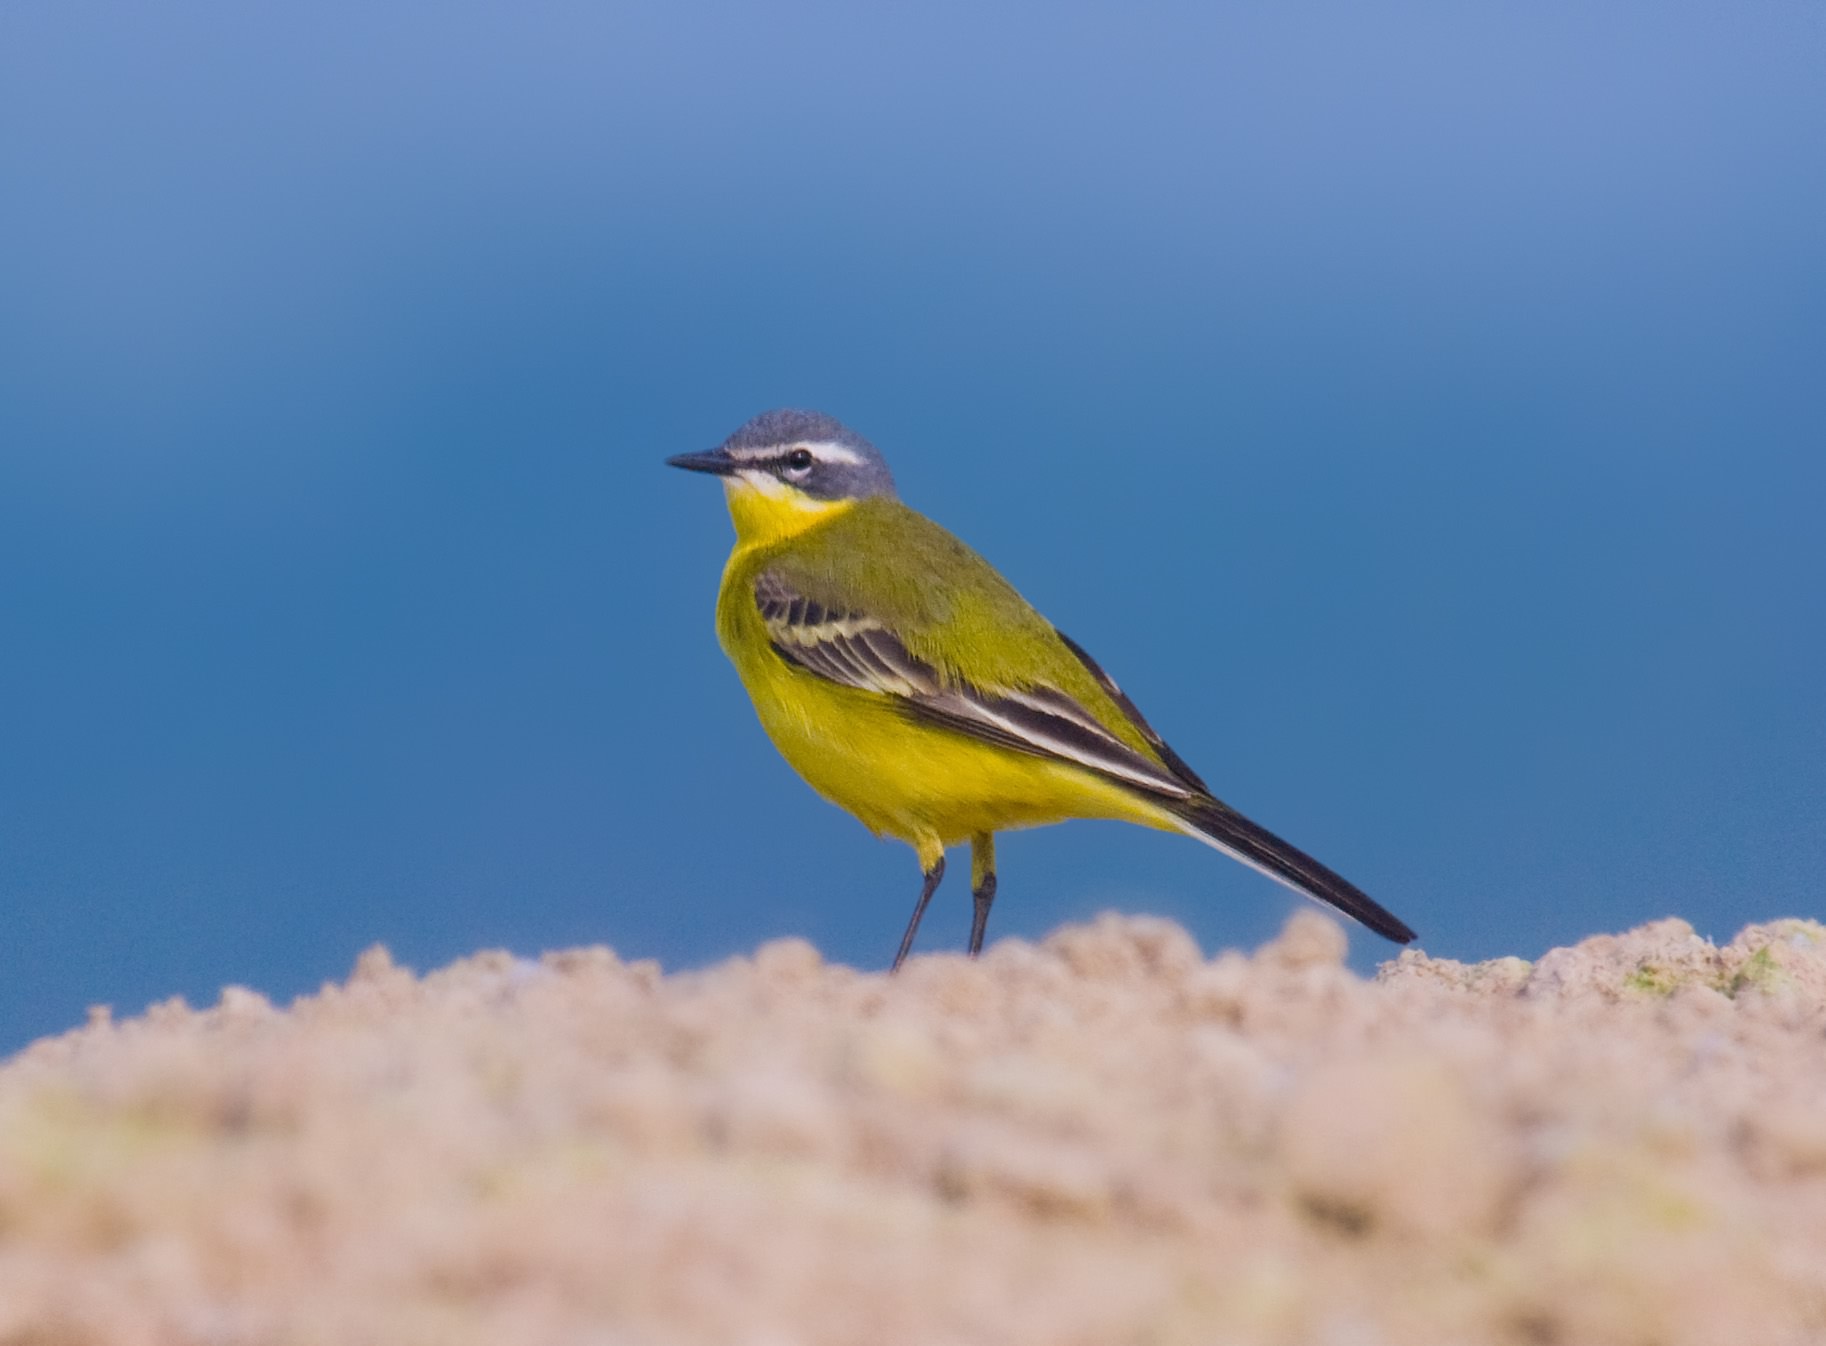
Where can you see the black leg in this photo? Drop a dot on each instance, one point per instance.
(984, 893)
(933, 875)
(982, 887)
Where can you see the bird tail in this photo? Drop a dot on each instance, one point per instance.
(1220, 826)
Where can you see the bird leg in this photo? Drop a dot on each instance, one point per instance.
(934, 872)
(982, 886)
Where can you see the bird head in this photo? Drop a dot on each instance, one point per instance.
(785, 470)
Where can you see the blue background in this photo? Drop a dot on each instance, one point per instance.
(1421, 409)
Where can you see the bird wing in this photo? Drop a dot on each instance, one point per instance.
(854, 648)
(1173, 760)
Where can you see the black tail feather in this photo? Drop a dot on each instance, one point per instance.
(1228, 830)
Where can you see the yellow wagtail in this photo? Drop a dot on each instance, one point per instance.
(909, 683)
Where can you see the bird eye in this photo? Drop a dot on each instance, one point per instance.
(799, 462)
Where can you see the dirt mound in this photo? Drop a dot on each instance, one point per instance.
(1102, 1138)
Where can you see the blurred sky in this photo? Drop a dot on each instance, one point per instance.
(1419, 408)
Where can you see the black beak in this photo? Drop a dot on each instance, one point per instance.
(715, 462)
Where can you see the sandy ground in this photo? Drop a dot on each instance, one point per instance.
(1103, 1138)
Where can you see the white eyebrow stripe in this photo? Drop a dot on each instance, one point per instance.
(829, 451)
(824, 450)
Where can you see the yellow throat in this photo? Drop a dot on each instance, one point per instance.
(766, 510)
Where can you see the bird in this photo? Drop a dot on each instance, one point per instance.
(909, 683)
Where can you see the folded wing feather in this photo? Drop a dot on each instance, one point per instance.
(855, 650)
